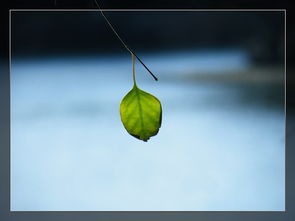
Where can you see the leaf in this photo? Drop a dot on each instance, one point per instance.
(141, 113)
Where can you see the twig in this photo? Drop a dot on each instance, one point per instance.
(121, 40)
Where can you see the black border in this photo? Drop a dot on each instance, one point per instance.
(6, 215)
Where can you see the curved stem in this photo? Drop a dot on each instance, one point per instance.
(133, 69)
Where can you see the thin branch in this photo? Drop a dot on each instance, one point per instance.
(121, 40)
(144, 65)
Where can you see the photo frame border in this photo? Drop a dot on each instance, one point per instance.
(6, 214)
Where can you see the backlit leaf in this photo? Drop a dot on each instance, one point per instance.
(141, 113)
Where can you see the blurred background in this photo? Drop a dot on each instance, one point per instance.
(221, 83)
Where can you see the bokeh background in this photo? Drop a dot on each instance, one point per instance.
(221, 83)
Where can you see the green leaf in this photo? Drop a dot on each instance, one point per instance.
(141, 113)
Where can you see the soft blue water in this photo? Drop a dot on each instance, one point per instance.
(69, 150)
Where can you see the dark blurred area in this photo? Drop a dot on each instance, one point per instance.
(261, 34)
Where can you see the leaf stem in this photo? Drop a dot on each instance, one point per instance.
(133, 69)
(121, 40)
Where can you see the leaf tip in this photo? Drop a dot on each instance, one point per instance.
(140, 138)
